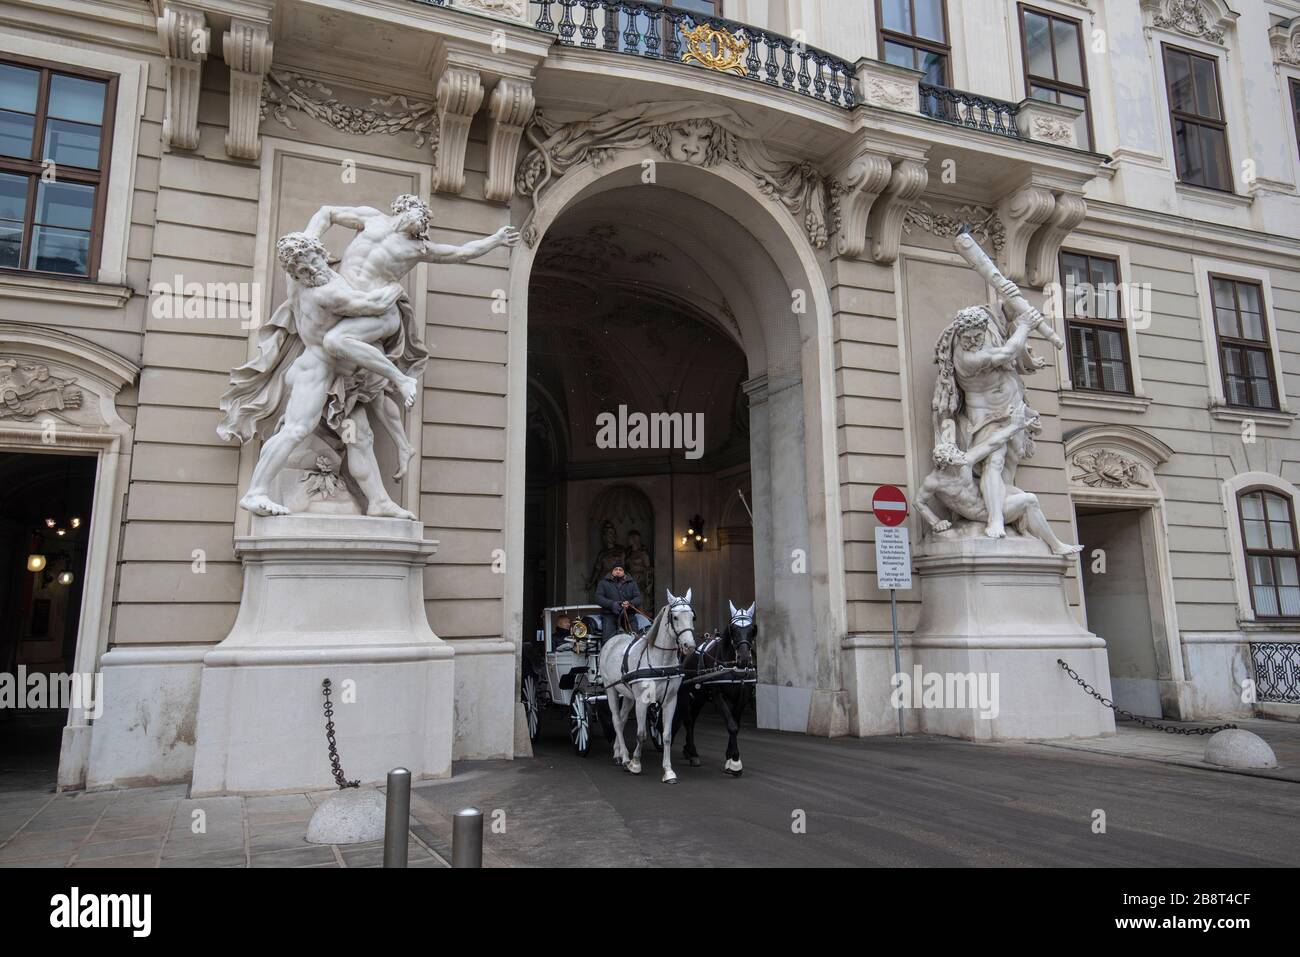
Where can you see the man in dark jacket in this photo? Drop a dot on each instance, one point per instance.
(618, 597)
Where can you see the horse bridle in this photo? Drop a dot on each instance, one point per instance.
(672, 626)
(747, 641)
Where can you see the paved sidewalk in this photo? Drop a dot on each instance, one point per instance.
(1147, 744)
(160, 827)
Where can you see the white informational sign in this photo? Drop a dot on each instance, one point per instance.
(893, 558)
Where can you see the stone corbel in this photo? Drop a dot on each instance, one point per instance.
(908, 181)
(1068, 212)
(247, 48)
(184, 39)
(460, 94)
(859, 185)
(510, 107)
(1023, 213)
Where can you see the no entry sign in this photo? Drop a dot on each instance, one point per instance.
(889, 505)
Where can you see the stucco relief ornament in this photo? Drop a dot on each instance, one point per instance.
(1105, 468)
(983, 425)
(28, 389)
(285, 90)
(890, 93)
(1056, 131)
(980, 221)
(699, 134)
(1187, 16)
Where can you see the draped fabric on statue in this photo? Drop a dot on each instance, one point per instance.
(257, 391)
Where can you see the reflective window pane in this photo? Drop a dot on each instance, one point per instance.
(899, 55)
(1206, 84)
(1215, 162)
(1069, 66)
(13, 196)
(1277, 508)
(16, 131)
(1038, 44)
(70, 205)
(1179, 75)
(11, 243)
(1223, 295)
(1265, 601)
(935, 66)
(60, 250)
(896, 15)
(1252, 506)
(19, 87)
(77, 99)
(1256, 533)
(72, 144)
(1248, 294)
(929, 20)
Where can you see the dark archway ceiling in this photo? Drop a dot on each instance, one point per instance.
(618, 316)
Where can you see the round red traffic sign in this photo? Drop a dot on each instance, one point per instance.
(889, 505)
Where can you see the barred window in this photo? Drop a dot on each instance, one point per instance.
(1094, 322)
(1268, 535)
(55, 130)
(1245, 354)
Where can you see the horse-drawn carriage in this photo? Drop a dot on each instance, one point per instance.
(562, 668)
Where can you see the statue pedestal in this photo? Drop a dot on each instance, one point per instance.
(338, 597)
(999, 608)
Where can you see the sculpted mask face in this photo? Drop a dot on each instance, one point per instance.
(689, 142)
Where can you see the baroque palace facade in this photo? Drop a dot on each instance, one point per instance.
(750, 219)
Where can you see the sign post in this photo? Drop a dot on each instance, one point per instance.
(893, 558)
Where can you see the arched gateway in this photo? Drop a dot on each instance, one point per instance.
(741, 256)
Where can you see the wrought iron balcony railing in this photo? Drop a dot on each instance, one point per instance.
(969, 110)
(668, 33)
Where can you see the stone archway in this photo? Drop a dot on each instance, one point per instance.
(761, 259)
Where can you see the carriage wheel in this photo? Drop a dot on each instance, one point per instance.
(528, 695)
(580, 725)
(655, 719)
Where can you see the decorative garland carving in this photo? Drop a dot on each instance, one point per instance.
(285, 90)
(984, 223)
(1055, 131)
(1186, 16)
(1106, 468)
(699, 134)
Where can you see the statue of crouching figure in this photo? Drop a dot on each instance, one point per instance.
(954, 486)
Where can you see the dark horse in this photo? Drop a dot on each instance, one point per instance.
(731, 655)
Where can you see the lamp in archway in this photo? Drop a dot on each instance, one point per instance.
(695, 533)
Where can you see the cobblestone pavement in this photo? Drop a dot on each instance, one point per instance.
(911, 801)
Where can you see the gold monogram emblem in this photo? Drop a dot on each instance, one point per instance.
(715, 49)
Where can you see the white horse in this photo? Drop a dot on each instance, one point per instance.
(671, 637)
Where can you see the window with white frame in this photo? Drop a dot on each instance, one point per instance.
(1240, 335)
(1264, 542)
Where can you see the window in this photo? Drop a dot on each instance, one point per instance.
(1269, 537)
(1295, 106)
(914, 34)
(55, 129)
(1055, 70)
(1196, 109)
(1245, 355)
(1094, 322)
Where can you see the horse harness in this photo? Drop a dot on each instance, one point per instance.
(664, 673)
(725, 672)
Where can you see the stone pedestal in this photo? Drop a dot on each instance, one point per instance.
(338, 597)
(999, 608)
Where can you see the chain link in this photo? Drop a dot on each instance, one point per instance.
(335, 767)
(1138, 718)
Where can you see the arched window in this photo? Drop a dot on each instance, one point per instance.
(1268, 534)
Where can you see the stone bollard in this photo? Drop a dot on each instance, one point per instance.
(1235, 748)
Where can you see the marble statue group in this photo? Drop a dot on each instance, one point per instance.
(344, 348)
(983, 426)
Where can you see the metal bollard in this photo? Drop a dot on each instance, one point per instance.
(397, 817)
(467, 838)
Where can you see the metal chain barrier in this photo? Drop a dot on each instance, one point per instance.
(335, 767)
(1120, 712)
